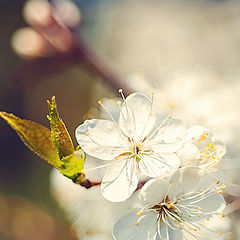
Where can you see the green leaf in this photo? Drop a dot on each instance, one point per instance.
(59, 134)
(72, 166)
(35, 136)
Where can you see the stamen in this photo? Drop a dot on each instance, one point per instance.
(139, 213)
(121, 133)
(127, 110)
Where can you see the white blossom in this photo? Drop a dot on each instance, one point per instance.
(201, 149)
(142, 142)
(174, 208)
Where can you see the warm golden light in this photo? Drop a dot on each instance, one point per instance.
(28, 43)
(37, 12)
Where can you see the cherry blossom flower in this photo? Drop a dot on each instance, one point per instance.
(174, 208)
(142, 142)
(201, 149)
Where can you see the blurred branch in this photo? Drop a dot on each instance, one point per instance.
(64, 47)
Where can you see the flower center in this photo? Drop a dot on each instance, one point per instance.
(137, 149)
(164, 207)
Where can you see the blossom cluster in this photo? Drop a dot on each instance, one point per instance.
(174, 166)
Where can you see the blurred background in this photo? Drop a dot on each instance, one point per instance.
(187, 51)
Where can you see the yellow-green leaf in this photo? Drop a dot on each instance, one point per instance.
(35, 136)
(72, 165)
(59, 134)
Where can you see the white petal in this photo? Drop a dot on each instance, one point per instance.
(136, 119)
(220, 147)
(126, 228)
(100, 139)
(214, 226)
(213, 203)
(174, 185)
(165, 232)
(154, 191)
(196, 132)
(169, 137)
(189, 154)
(191, 178)
(120, 180)
(209, 205)
(155, 165)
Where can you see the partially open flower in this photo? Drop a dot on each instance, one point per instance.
(201, 149)
(173, 208)
(142, 142)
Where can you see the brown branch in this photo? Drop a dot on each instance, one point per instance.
(88, 184)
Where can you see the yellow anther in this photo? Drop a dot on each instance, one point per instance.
(152, 92)
(99, 102)
(118, 103)
(220, 191)
(139, 213)
(170, 205)
(137, 223)
(86, 133)
(173, 105)
(199, 214)
(223, 215)
(169, 117)
(206, 133)
(188, 163)
(193, 138)
(120, 90)
(202, 194)
(219, 233)
(200, 209)
(223, 186)
(207, 219)
(195, 229)
(218, 182)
